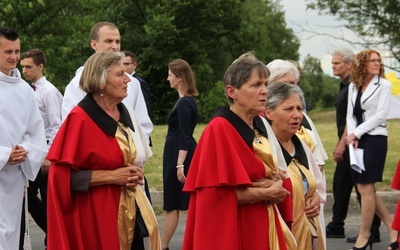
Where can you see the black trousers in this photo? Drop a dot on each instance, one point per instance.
(36, 206)
(342, 188)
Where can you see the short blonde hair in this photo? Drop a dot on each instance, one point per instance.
(95, 70)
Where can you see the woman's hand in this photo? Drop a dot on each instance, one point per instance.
(312, 206)
(266, 190)
(128, 176)
(281, 174)
(181, 175)
(264, 183)
(352, 139)
(277, 193)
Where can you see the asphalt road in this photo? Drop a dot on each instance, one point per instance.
(351, 227)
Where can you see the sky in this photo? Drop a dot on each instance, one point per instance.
(302, 20)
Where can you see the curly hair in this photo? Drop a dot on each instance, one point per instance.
(359, 72)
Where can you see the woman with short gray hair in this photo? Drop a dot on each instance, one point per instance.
(233, 180)
(284, 112)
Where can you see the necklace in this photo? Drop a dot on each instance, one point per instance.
(256, 139)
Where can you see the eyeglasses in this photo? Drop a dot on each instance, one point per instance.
(375, 61)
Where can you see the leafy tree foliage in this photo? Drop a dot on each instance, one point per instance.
(330, 89)
(320, 90)
(53, 27)
(213, 98)
(208, 34)
(312, 81)
(377, 21)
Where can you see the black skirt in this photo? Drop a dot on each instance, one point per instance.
(375, 150)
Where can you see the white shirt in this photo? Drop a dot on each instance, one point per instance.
(73, 95)
(21, 124)
(49, 101)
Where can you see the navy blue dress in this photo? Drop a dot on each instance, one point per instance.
(181, 122)
(375, 150)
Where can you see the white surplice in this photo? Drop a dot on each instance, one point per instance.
(21, 124)
(73, 95)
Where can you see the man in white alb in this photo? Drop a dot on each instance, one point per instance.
(22, 139)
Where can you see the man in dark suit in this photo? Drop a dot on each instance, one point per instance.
(130, 65)
(342, 65)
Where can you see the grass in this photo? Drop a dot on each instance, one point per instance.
(325, 123)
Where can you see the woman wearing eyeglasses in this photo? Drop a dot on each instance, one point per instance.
(368, 106)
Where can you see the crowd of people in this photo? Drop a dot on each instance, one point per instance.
(255, 180)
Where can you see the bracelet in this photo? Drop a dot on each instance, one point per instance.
(180, 166)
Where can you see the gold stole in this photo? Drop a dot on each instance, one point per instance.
(305, 137)
(303, 227)
(127, 208)
(263, 151)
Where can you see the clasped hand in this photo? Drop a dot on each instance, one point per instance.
(312, 206)
(128, 176)
(352, 139)
(18, 155)
(276, 193)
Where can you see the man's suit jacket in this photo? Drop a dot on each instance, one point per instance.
(145, 90)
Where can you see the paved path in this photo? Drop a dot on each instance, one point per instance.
(351, 227)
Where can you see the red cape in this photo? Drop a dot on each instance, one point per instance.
(223, 161)
(82, 220)
(396, 185)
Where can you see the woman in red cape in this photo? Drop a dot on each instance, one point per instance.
(103, 144)
(396, 219)
(233, 180)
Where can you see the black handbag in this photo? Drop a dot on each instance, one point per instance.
(140, 225)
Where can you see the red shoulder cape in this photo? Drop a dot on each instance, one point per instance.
(82, 220)
(396, 185)
(221, 162)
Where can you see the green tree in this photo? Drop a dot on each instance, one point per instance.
(376, 21)
(55, 28)
(208, 34)
(209, 40)
(330, 89)
(312, 81)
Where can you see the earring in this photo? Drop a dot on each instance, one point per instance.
(101, 94)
